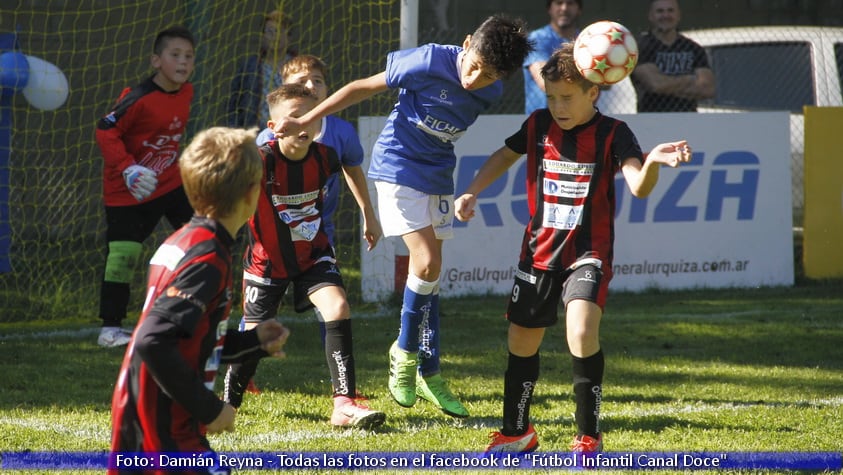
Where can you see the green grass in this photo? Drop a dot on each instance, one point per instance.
(707, 370)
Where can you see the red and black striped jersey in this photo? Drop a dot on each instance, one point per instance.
(144, 127)
(164, 394)
(571, 188)
(287, 235)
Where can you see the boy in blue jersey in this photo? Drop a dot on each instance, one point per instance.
(442, 90)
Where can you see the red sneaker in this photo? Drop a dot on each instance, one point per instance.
(587, 444)
(350, 413)
(252, 388)
(526, 442)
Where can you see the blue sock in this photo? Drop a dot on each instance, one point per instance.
(429, 344)
(417, 296)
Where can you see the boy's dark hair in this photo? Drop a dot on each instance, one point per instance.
(561, 67)
(502, 44)
(548, 2)
(175, 31)
(289, 91)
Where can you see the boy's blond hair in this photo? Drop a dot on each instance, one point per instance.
(217, 169)
(289, 91)
(303, 63)
(561, 67)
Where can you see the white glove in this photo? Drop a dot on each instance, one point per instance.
(140, 181)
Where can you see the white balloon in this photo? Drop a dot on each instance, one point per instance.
(47, 85)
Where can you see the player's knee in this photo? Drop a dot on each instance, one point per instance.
(122, 260)
(334, 310)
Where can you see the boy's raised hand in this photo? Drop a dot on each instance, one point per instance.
(272, 336)
(671, 153)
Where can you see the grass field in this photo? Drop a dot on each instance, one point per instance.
(714, 370)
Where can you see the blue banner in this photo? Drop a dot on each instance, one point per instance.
(343, 461)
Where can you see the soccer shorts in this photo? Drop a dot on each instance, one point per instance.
(137, 222)
(402, 210)
(262, 298)
(534, 302)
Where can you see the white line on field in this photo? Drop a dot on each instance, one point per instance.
(80, 432)
(279, 438)
(89, 332)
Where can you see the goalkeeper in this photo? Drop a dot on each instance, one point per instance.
(139, 140)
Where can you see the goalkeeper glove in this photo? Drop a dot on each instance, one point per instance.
(140, 181)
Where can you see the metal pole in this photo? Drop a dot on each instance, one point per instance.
(409, 23)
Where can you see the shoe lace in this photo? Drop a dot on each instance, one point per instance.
(405, 372)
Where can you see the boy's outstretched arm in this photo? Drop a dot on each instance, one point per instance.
(356, 180)
(642, 178)
(494, 167)
(348, 95)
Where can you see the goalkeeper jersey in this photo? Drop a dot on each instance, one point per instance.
(571, 188)
(144, 127)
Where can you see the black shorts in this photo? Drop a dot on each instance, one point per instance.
(534, 302)
(137, 222)
(261, 300)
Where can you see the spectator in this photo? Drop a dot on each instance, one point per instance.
(673, 71)
(260, 74)
(561, 29)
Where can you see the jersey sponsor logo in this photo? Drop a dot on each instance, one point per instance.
(167, 256)
(295, 199)
(305, 230)
(440, 129)
(176, 293)
(443, 97)
(568, 168)
(560, 216)
(291, 215)
(565, 189)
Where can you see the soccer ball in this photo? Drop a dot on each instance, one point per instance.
(605, 52)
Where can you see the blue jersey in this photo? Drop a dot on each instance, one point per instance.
(546, 40)
(341, 136)
(416, 146)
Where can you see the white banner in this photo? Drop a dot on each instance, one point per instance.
(723, 220)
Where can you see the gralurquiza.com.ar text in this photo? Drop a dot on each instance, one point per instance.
(681, 267)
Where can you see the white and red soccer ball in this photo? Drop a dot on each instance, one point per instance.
(605, 52)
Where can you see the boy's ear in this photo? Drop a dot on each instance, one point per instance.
(466, 42)
(155, 61)
(593, 92)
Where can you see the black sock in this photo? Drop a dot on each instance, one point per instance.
(340, 357)
(588, 392)
(518, 384)
(114, 300)
(236, 380)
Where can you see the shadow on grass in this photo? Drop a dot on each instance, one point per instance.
(732, 337)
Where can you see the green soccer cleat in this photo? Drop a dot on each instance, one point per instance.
(402, 375)
(435, 389)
